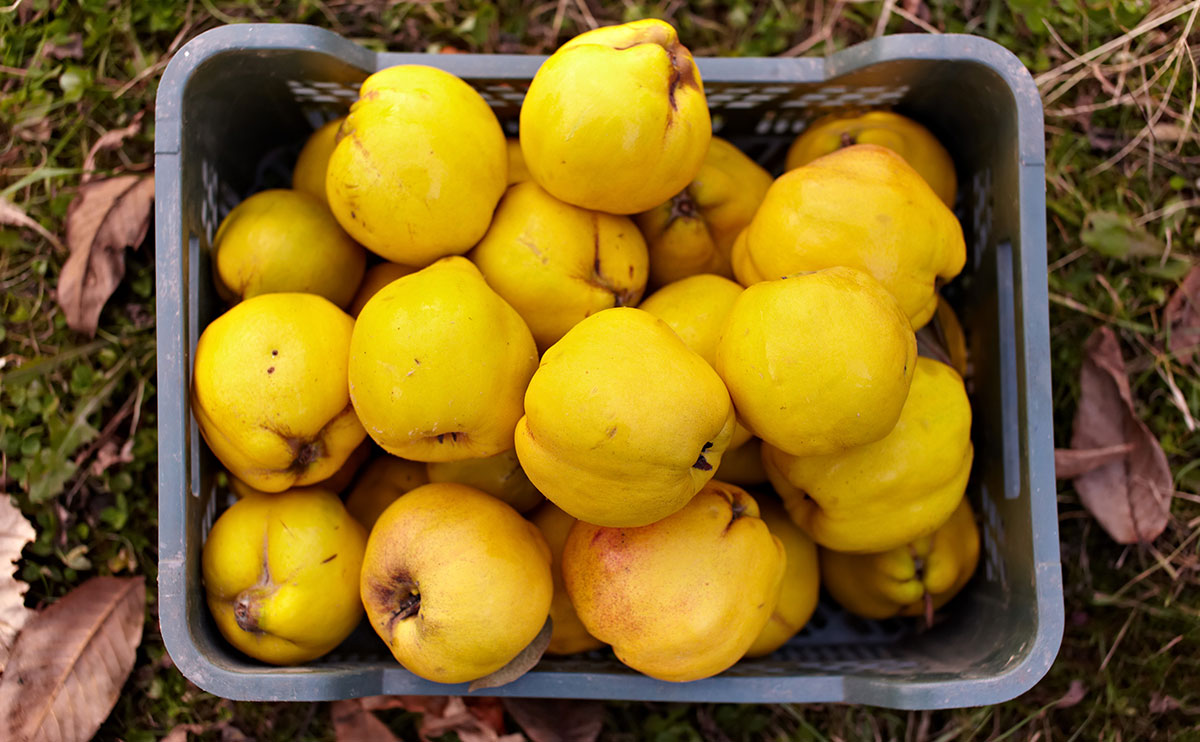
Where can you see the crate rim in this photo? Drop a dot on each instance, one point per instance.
(1032, 314)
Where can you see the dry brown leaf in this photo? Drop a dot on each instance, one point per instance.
(15, 533)
(416, 704)
(1130, 497)
(108, 454)
(106, 217)
(469, 723)
(1182, 315)
(1069, 463)
(1076, 692)
(1161, 704)
(352, 722)
(70, 662)
(180, 732)
(552, 720)
(518, 665)
(110, 140)
(72, 49)
(12, 216)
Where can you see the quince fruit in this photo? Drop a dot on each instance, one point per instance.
(438, 365)
(616, 119)
(517, 172)
(269, 390)
(685, 597)
(501, 476)
(914, 579)
(376, 278)
(693, 232)
(281, 574)
(383, 482)
(893, 491)
(313, 162)
(556, 263)
(817, 362)
(285, 241)
(568, 635)
(912, 141)
(623, 423)
(419, 166)
(743, 465)
(861, 207)
(455, 582)
(801, 581)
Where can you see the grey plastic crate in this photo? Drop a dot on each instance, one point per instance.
(236, 103)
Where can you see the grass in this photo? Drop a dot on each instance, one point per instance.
(1123, 176)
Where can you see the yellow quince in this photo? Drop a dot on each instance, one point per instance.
(556, 263)
(279, 241)
(623, 423)
(817, 362)
(887, 493)
(419, 166)
(281, 574)
(912, 141)
(861, 207)
(569, 635)
(501, 476)
(616, 119)
(269, 390)
(438, 365)
(801, 581)
(383, 482)
(313, 162)
(914, 579)
(693, 232)
(376, 278)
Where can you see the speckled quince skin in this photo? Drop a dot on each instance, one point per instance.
(910, 580)
(693, 232)
(907, 138)
(616, 119)
(861, 207)
(623, 422)
(269, 390)
(801, 581)
(569, 635)
(455, 582)
(817, 362)
(419, 166)
(439, 364)
(893, 491)
(556, 263)
(285, 241)
(281, 574)
(685, 597)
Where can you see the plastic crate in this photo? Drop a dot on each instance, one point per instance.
(235, 105)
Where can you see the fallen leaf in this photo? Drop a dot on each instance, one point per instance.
(1161, 704)
(416, 704)
(465, 722)
(179, 733)
(1130, 497)
(1117, 236)
(352, 722)
(519, 665)
(1182, 315)
(1069, 463)
(106, 217)
(553, 720)
(1075, 693)
(108, 455)
(15, 533)
(12, 216)
(110, 140)
(70, 661)
(72, 48)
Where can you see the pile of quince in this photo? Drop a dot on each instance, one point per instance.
(556, 445)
